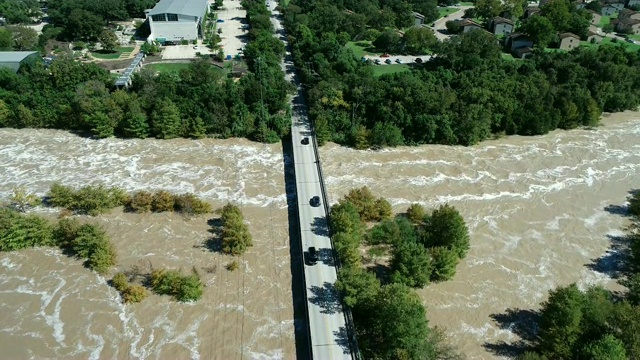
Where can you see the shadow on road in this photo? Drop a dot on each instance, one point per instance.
(342, 339)
(319, 226)
(327, 298)
(326, 256)
(521, 322)
(303, 346)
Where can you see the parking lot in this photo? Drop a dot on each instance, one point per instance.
(404, 59)
(176, 52)
(233, 23)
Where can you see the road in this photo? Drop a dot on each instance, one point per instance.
(440, 26)
(327, 323)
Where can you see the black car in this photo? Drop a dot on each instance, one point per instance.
(313, 256)
(315, 201)
(388, 61)
(419, 60)
(305, 141)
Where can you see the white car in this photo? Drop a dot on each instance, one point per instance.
(195, 47)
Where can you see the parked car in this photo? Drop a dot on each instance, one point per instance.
(195, 47)
(315, 201)
(630, 41)
(418, 61)
(399, 61)
(305, 141)
(385, 55)
(388, 61)
(313, 256)
(377, 61)
(219, 21)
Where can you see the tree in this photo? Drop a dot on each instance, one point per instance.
(357, 285)
(607, 348)
(418, 40)
(515, 8)
(540, 29)
(416, 213)
(488, 9)
(109, 40)
(560, 321)
(400, 328)
(150, 48)
(235, 235)
(411, 265)
(348, 248)
(22, 200)
(167, 122)
(388, 41)
(6, 40)
(454, 27)
(446, 227)
(444, 262)
(24, 38)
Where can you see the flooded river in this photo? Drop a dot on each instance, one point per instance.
(535, 207)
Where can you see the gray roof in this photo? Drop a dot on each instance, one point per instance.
(183, 7)
(15, 56)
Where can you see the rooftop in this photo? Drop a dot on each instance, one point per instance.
(183, 7)
(501, 20)
(568, 34)
(14, 56)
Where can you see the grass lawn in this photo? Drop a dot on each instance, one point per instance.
(626, 45)
(445, 11)
(111, 56)
(467, 4)
(390, 69)
(508, 57)
(634, 37)
(167, 67)
(361, 48)
(604, 20)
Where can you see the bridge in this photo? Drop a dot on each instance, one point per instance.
(330, 326)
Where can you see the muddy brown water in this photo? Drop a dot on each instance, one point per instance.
(535, 207)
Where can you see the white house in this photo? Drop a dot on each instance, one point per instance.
(177, 20)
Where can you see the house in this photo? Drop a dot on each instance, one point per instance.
(541, 3)
(501, 26)
(580, 4)
(523, 52)
(631, 3)
(628, 14)
(532, 10)
(608, 10)
(569, 41)
(594, 37)
(419, 18)
(469, 25)
(177, 20)
(13, 59)
(628, 26)
(518, 40)
(595, 17)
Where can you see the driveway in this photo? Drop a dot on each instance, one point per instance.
(234, 28)
(440, 24)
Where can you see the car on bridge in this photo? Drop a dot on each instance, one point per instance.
(305, 141)
(313, 256)
(315, 201)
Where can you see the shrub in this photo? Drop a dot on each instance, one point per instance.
(416, 213)
(446, 227)
(134, 294)
(453, 27)
(22, 200)
(233, 266)
(60, 196)
(66, 231)
(162, 201)
(171, 282)
(369, 208)
(141, 202)
(236, 238)
(18, 231)
(120, 281)
(444, 263)
(189, 204)
(92, 243)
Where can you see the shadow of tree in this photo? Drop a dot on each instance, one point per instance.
(382, 272)
(326, 256)
(214, 243)
(319, 226)
(326, 297)
(622, 210)
(612, 263)
(342, 339)
(521, 322)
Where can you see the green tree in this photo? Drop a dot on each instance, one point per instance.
(345, 218)
(388, 41)
(411, 265)
(446, 227)
(167, 121)
(357, 285)
(18, 231)
(6, 40)
(24, 38)
(607, 348)
(540, 29)
(235, 235)
(418, 40)
(560, 321)
(102, 125)
(197, 128)
(400, 328)
(444, 263)
(109, 40)
(488, 9)
(416, 213)
(347, 247)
